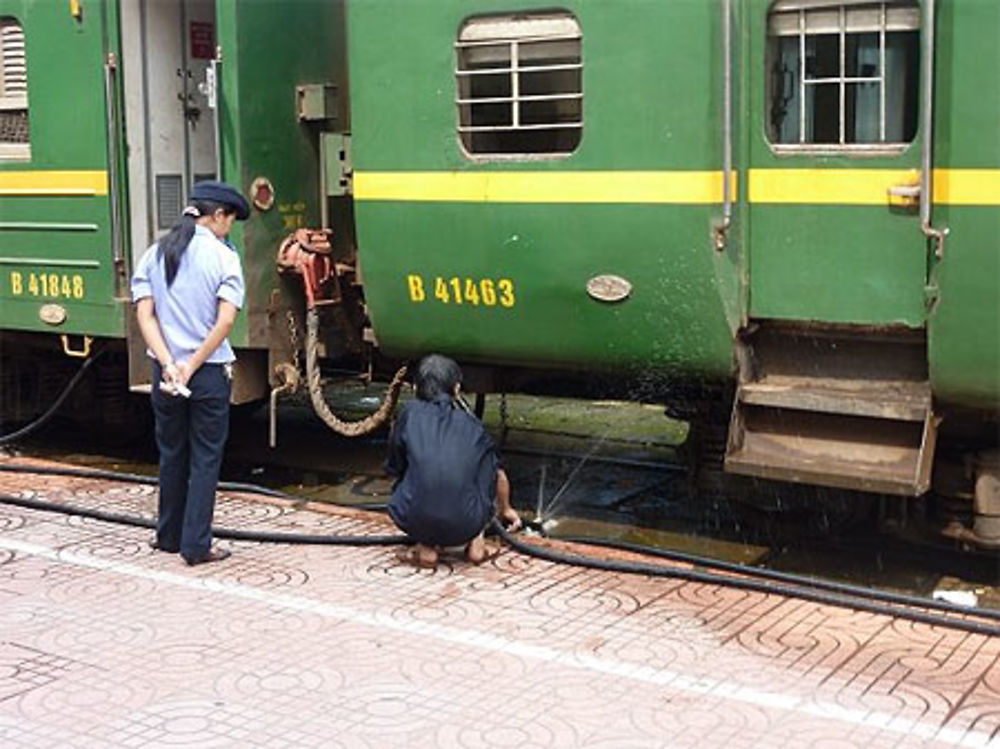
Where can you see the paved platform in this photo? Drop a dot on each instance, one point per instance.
(106, 643)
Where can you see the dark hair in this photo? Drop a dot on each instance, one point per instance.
(171, 248)
(437, 375)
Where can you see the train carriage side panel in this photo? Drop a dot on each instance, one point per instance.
(268, 50)
(964, 324)
(58, 269)
(488, 258)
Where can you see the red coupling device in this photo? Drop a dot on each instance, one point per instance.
(307, 252)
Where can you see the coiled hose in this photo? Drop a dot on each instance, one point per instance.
(764, 581)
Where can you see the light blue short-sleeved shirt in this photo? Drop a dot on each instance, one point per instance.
(209, 271)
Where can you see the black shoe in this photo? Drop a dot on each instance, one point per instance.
(214, 555)
(154, 544)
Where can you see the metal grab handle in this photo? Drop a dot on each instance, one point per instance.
(927, 125)
(213, 82)
(113, 135)
(81, 353)
(727, 127)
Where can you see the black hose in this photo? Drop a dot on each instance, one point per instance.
(787, 577)
(802, 591)
(228, 533)
(138, 478)
(767, 582)
(44, 418)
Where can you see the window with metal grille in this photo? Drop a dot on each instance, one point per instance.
(13, 91)
(520, 84)
(843, 75)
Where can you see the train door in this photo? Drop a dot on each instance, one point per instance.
(834, 389)
(169, 48)
(835, 156)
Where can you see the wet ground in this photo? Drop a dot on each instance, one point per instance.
(597, 470)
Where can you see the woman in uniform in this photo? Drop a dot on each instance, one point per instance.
(188, 288)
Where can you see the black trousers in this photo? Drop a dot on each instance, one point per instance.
(191, 436)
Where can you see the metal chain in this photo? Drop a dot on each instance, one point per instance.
(503, 418)
(293, 334)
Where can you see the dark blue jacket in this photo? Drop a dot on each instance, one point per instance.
(446, 469)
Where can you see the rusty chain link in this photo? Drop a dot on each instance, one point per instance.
(346, 428)
(293, 334)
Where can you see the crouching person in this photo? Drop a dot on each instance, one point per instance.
(449, 484)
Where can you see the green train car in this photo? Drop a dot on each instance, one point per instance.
(779, 217)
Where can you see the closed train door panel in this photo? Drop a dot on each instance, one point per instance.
(835, 152)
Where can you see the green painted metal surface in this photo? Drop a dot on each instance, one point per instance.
(964, 325)
(685, 302)
(268, 48)
(72, 267)
(862, 264)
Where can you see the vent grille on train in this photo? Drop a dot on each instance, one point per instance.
(169, 200)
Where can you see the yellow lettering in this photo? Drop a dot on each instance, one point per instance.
(78, 287)
(506, 287)
(471, 292)
(416, 286)
(441, 290)
(16, 283)
(488, 291)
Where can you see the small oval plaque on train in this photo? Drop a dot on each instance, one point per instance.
(52, 314)
(608, 288)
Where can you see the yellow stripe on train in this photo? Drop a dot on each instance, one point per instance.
(684, 187)
(791, 186)
(40, 183)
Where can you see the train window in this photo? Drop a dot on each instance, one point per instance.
(520, 85)
(13, 92)
(843, 74)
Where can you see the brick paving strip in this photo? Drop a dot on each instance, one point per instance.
(104, 642)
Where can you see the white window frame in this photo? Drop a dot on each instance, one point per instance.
(803, 18)
(516, 31)
(13, 82)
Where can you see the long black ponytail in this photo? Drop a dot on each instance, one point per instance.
(173, 245)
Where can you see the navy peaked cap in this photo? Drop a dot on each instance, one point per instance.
(220, 192)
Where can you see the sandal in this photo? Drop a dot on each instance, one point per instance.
(410, 555)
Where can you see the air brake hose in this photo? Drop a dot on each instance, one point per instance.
(767, 581)
(44, 418)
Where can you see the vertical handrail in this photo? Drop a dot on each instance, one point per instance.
(927, 126)
(111, 118)
(727, 126)
(215, 103)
